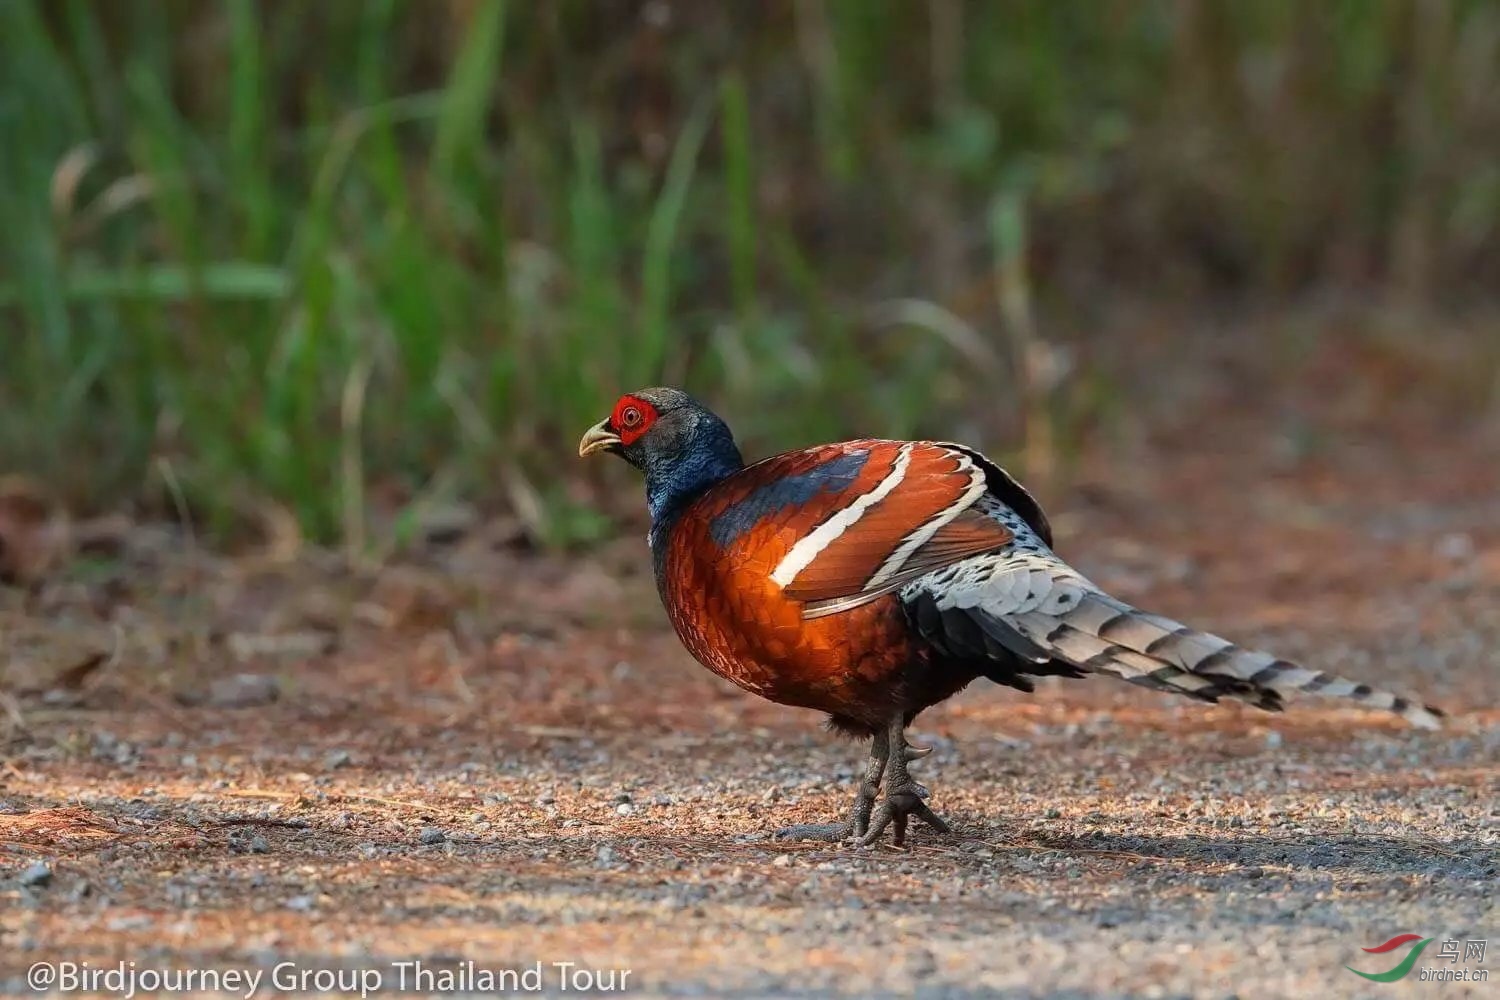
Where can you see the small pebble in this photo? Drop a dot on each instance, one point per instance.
(335, 759)
(36, 874)
(1456, 547)
(782, 861)
(624, 808)
(432, 835)
(240, 691)
(134, 922)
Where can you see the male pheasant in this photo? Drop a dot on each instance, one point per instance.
(872, 579)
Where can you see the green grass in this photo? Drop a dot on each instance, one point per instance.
(283, 255)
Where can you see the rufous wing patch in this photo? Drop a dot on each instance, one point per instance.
(921, 523)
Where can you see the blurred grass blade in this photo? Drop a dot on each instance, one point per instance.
(661, 241)
(476, 73)
(250, 95)
(739, 183)
(172, 283)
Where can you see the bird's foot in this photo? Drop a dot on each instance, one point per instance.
(904, 798)
(867, 821)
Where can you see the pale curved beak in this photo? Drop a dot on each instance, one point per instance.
(598, 438)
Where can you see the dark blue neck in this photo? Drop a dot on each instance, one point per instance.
(674, 483)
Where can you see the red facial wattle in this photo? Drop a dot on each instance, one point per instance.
(631, 418)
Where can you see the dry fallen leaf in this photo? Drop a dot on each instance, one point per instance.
(34, 535)
(73, 677)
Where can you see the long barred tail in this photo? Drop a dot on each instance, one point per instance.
(1100, 634)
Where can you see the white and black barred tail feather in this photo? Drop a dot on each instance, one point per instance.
(1055, 611)
(1205, 664)
(1098, 655)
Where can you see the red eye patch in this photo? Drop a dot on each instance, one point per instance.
(631, 419)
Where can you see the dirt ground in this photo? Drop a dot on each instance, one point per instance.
(475, 755)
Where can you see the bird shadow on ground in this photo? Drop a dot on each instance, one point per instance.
(1256, 855)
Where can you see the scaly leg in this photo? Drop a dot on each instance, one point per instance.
(903, 797)
(864, 801)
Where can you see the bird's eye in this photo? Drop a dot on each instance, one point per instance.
(630, 417)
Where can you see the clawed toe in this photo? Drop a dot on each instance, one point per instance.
(899, 805)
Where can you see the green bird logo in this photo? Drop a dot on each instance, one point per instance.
(1400, 971)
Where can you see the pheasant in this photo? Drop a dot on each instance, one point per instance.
(872, 579)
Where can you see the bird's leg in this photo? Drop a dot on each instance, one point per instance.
(864, 802)
(903, 797)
